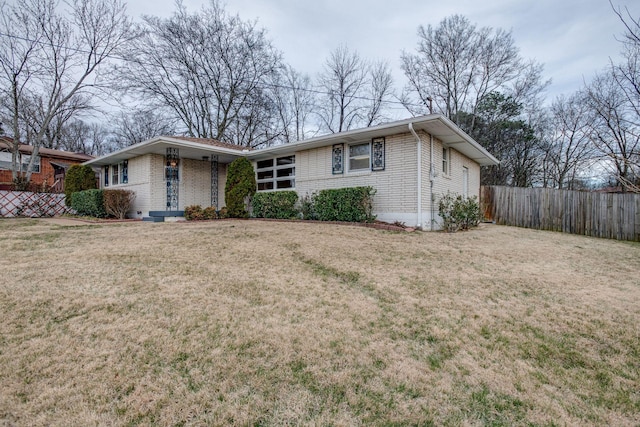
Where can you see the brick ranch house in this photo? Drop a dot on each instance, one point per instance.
(410, 163)
(50, 166)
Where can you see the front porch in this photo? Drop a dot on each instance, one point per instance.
(169, 174)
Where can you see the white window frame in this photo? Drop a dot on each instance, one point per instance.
(465, 182)
(23, 160)
(274, 180)
(25, 163)
(5, 159)
(359, 157)
(114, 170)
(446, 160)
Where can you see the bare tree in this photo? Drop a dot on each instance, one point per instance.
(614, 98)
(88, 138)
(294, 99)
(139, 125)
(614, 130)
(458, 64)
(53, 56)
(379, 91)
(343, 80)
(19, 48)
(355, 91)
(211, 70)
(569, 149)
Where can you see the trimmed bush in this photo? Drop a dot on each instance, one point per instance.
(78, 178)
(196, 213)
(458, 213)
(240, 186)
(306, 206)
(118, 202)
(193, 213)
(276, 204)
(210, 213)
(89, 203)
(353, 204)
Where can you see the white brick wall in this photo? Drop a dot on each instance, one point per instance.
(395, 199)
(396, 196)
(139, 177)
(195, 183)
(396, 185)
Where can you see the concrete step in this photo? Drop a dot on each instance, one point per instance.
(165, 214)
(153, 219)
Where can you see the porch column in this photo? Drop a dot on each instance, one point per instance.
(214, 181)
(172, 178)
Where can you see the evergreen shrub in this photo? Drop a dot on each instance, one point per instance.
(240, 187)
(352, 204)
(78, 178)
(276, 204)
(89, 203)
(458, 213)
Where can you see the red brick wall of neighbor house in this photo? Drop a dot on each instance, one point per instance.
(46, 174)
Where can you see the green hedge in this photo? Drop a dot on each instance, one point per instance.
(276, 204)
(78, 178)
(458, 213)
(240, 186)
(353, 204)
(89, 203)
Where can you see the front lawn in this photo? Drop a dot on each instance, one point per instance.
(272, 323)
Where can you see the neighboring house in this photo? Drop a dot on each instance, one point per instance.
(410, 163)
(49, 168)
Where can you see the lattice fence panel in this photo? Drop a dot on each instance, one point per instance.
(32, 205)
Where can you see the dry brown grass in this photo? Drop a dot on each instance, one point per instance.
(268, 323)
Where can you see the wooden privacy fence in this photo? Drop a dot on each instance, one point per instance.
(34, 205)
(613, 216)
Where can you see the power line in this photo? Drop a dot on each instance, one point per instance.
(263, 85)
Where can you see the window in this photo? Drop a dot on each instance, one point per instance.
(116, 174)
(36, 163)
(359, 157)
(5, 161)
(124, 172)
(276, 174)
(465, 182)
(445, 161)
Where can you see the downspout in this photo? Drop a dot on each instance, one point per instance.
(419, 223)
(432, 177)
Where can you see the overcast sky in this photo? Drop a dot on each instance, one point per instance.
(572, 38)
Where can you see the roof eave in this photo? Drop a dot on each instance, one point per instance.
(146, 147)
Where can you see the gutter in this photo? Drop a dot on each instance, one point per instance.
(419, 141)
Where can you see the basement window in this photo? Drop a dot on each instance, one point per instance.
(276, 174)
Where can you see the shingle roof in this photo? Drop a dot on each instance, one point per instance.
(5, 143)
(213, 142)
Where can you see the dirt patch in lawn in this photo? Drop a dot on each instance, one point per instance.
(270, 323)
